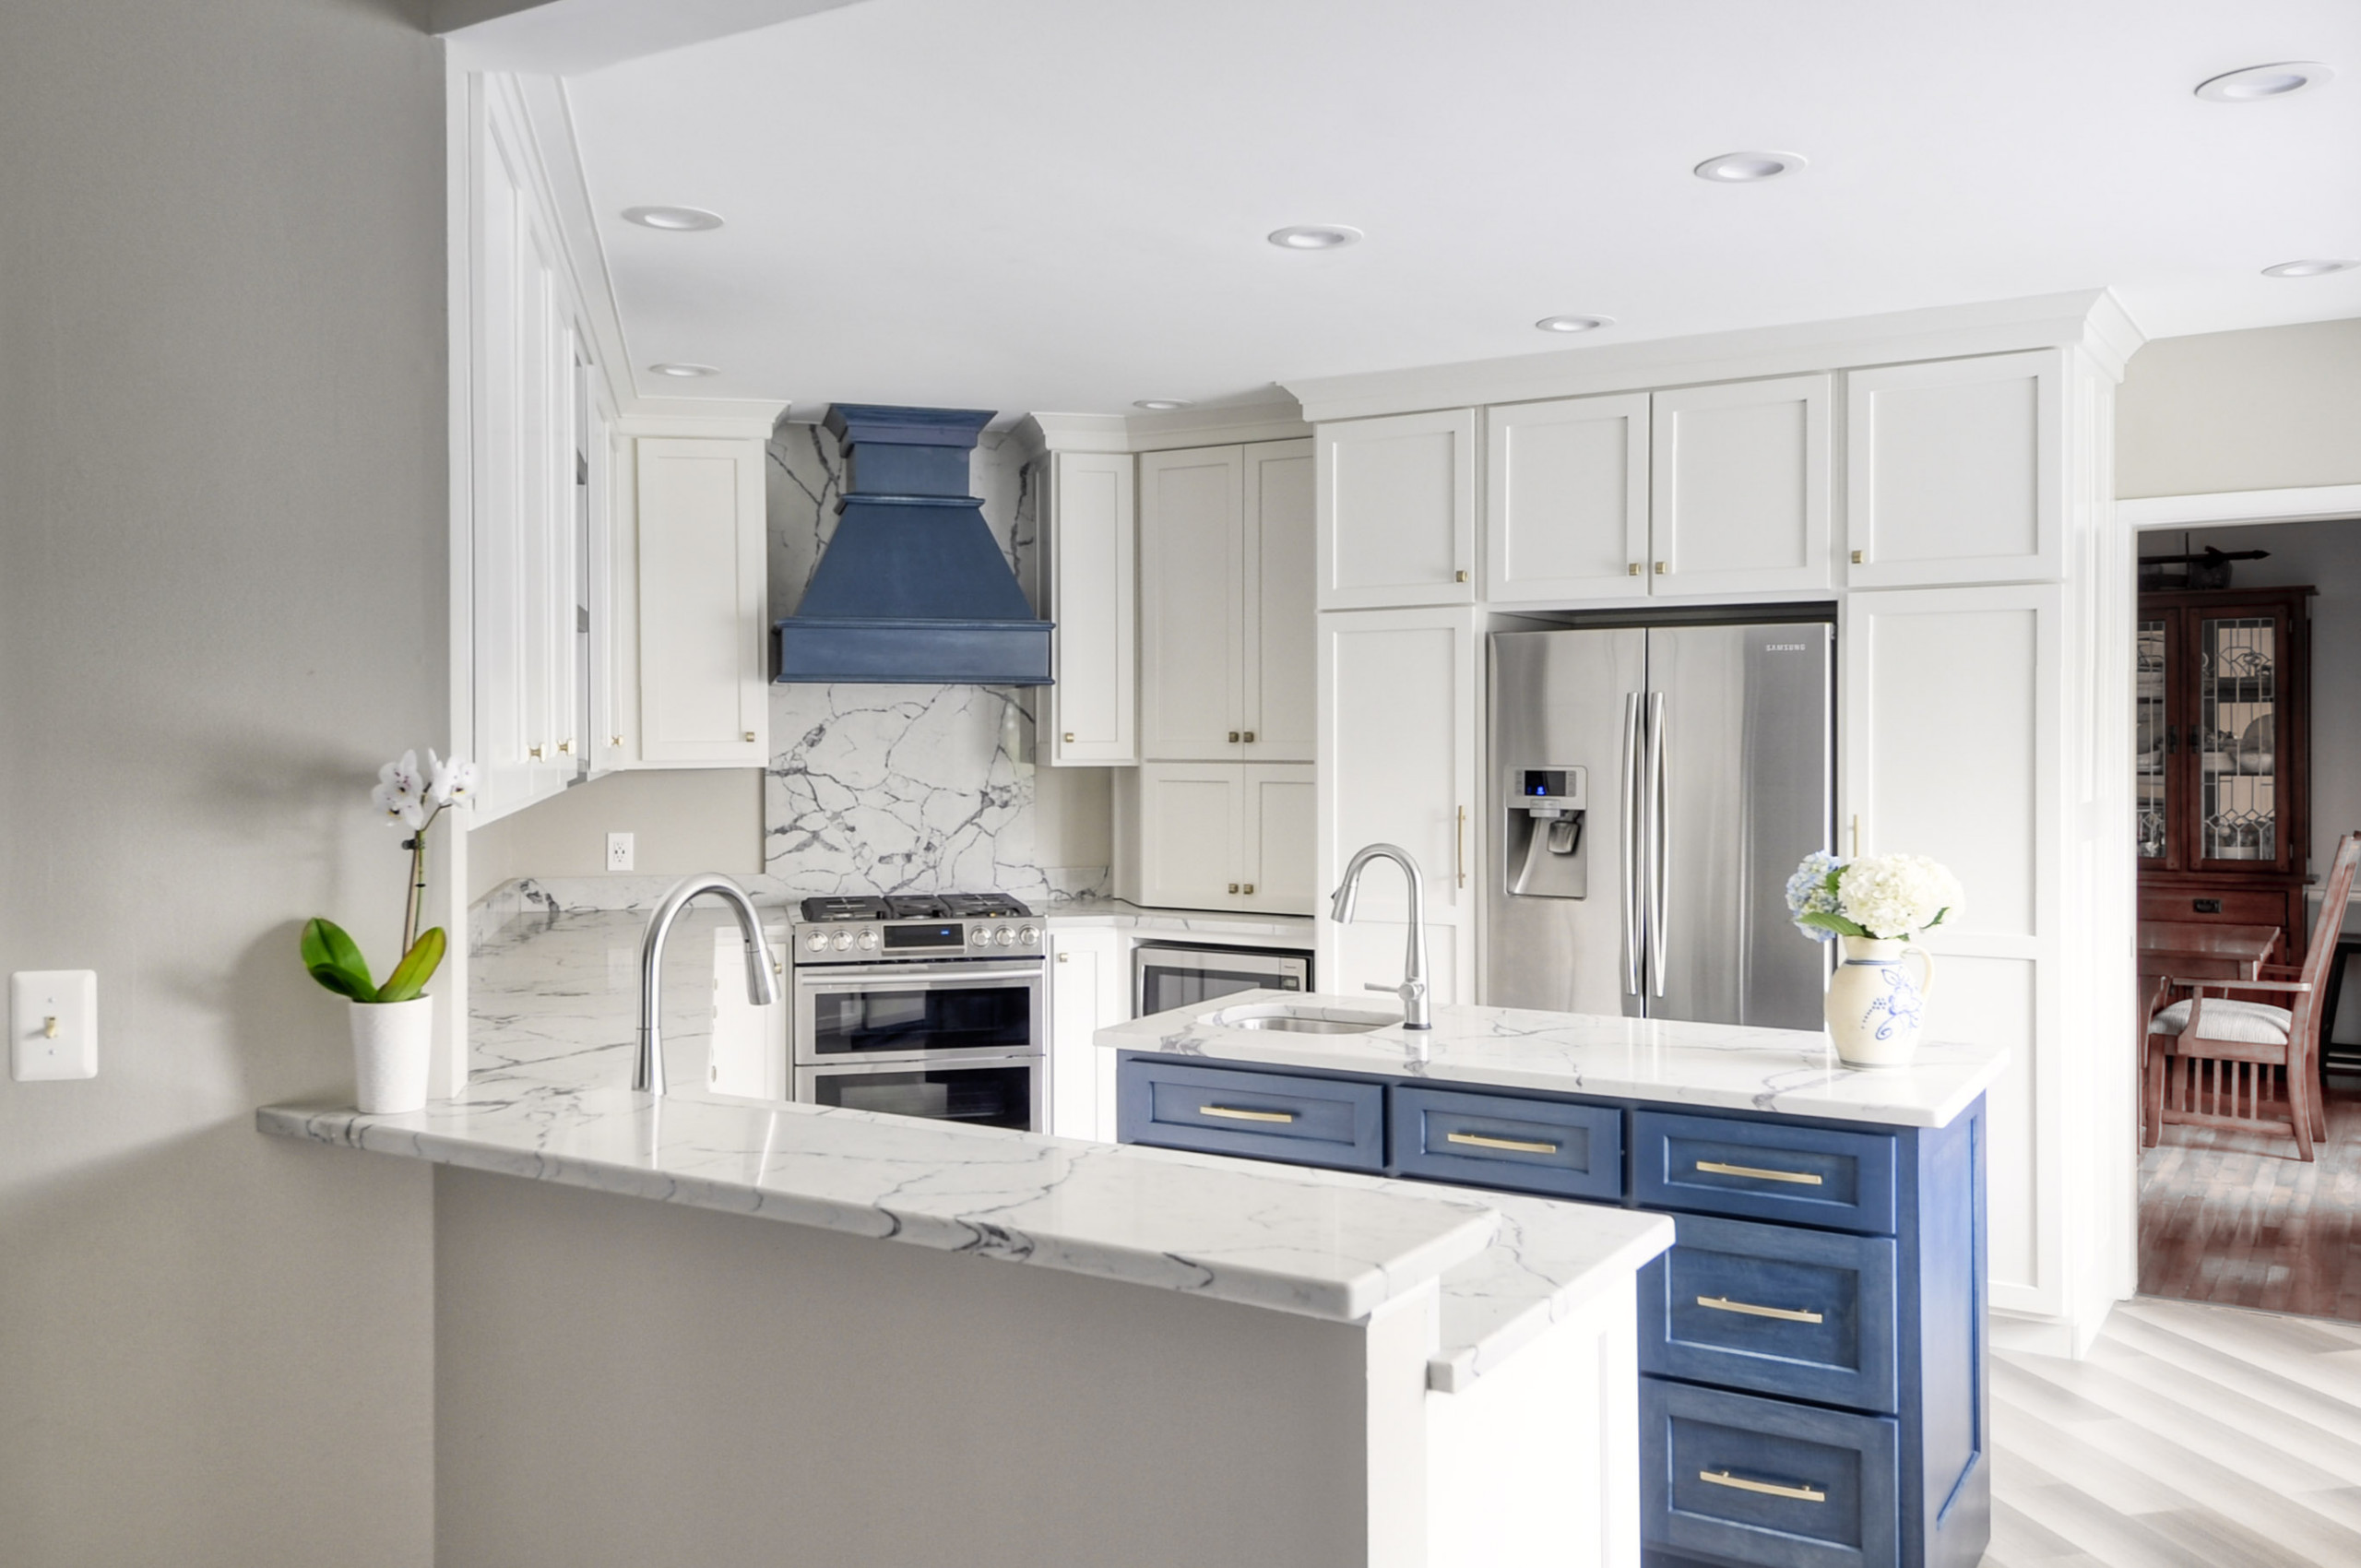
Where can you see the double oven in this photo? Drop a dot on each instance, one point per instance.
(934, 1008)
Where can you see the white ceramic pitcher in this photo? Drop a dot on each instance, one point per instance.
(1874, 1005)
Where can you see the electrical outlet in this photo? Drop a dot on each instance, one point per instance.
(53, 1023)
(619, 848)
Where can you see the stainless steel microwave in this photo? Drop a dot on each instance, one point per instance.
(1166, 975)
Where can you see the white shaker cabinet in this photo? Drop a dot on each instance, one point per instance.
(1087, 992)
(1090, 710)
(1952, 471)
(1226, 607)
(1399, 692)
(1397, 510)
(703, 602)
(1566, 500)
(1955, 748)
(1216, 836)
(1739, 486)
(1193, 574)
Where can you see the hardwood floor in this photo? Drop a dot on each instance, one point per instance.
(2234, 1219)
(2192, 1437)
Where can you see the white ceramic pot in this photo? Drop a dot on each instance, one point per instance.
(1874, 1004)
(392, 1042)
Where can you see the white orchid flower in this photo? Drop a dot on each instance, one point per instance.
(449, 780)
(399, 794)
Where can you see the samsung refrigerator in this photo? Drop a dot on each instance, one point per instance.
(1651, 790)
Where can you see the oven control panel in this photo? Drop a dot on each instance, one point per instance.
(905, 941)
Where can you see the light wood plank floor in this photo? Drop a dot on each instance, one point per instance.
(2236, 1219)
(2192, 1437)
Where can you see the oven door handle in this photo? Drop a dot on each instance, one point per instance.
(863, 977)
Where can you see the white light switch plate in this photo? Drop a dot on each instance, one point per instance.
(53, 1023)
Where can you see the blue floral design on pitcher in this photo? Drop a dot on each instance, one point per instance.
(1900, 1004)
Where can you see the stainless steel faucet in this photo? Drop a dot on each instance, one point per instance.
(761, 987)
(1413, 989)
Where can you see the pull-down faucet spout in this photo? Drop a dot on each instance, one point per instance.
(1413, 989)
(762, 988)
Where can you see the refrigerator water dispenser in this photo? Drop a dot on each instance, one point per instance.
(1548, 857)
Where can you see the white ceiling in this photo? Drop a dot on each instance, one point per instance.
(1059, 205)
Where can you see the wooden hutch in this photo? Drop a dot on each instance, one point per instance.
(2222, 758)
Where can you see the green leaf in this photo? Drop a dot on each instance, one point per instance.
(417, 966)
(1836, 923)
(335, 961)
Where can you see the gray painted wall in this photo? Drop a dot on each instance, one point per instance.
(2271, 409)
(622, 1383)
(222, 604)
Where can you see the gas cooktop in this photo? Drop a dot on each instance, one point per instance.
(915, 907)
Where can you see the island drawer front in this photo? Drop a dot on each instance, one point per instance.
(1764, 1170)
(1260, 1115)
(1805, 1313)
(1527, 1146)
(1747, 1479)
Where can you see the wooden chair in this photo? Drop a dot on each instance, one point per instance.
(2221, 1044)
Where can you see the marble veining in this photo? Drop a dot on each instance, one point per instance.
(551, 999)
(1785, 1071)
(902, 788)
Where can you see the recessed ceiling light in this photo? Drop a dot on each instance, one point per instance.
(1740, 167)
(677, 220)
(1574, 322)
(671, 367)
(1314, 236)
(1159, 405)
(2259, 82)
(2309, 268)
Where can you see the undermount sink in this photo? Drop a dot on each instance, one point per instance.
(1301, 1020)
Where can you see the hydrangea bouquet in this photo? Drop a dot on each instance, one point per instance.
(1886, 896)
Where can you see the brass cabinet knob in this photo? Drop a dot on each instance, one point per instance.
(1069, 737)
(1860, 558)
(1661, 568)
(534, 752)
(749, 737)
(566, 744)
(1249, 888)
(1233, 887)
(1250, 737)
(614, 740)
(1459, 576)
(1233, 737)
(1634, 570)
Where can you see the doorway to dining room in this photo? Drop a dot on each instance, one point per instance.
(2248, 769)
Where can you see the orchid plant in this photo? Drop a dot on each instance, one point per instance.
(1874, 896)
(403, 798)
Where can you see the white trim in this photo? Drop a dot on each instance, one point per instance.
(2090, 320)
(2229, 507)
(725, 419)
(446, 1073)
(1172, 430)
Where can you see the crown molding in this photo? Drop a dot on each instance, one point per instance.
(2090, 320)
(1166, 430)
(740, 418)
(2225, 507)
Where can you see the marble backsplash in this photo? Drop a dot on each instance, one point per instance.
(903, 789)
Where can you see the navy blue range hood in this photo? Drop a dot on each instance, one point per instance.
(912, 589)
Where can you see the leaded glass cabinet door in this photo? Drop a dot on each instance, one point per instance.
(2153, 731)
(2239, 668)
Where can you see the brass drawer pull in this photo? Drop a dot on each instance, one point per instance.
(1514, 1145)
(1800, 1178)
(1768, 1489)
(1785, 1314)
(1235, 1114)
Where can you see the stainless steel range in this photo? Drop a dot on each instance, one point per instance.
(932, 1006)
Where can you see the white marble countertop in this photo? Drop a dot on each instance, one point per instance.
(1783, 1071)
(554, 999)
(1280, 931)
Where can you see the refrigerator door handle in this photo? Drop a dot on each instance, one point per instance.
(1659, 838)
(1632, 807)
